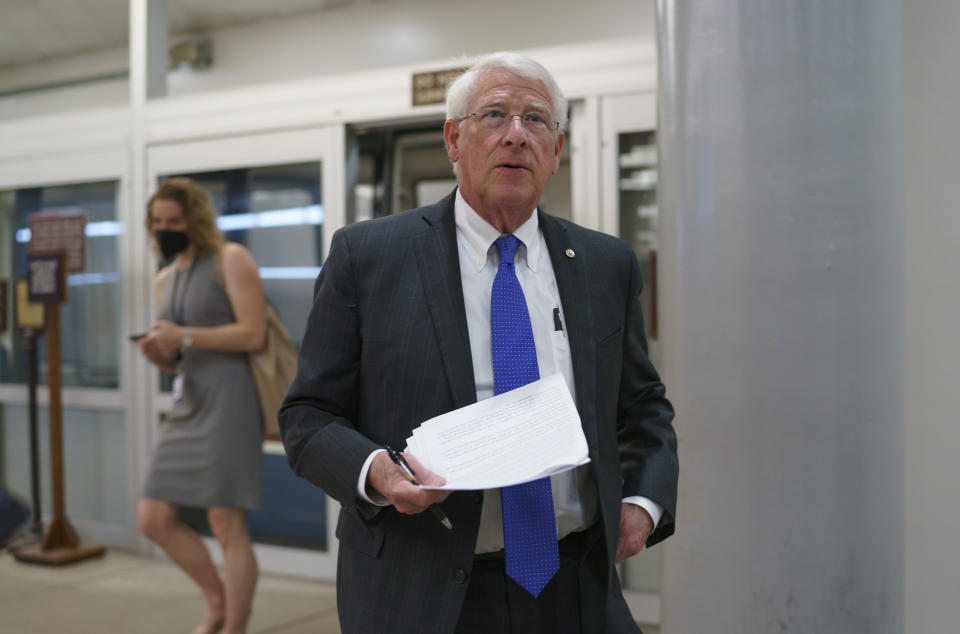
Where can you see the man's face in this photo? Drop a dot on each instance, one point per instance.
(502, 172)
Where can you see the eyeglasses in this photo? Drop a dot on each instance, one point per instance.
(494, 120)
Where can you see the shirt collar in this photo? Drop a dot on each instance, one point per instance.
(479, 235)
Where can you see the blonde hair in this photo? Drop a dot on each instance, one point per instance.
(197, 210)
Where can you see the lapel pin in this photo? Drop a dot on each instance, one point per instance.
(570, 253)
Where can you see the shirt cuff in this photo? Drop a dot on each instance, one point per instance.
(648, 505)
(376, 499)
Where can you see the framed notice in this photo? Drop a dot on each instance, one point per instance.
(51, 231)
(28, 314)
(47, 277)
(430, 87)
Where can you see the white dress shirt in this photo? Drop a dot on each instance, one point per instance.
(574, 497)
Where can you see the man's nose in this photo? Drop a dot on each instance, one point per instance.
(516, 132)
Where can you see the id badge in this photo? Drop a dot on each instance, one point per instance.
(177, 388)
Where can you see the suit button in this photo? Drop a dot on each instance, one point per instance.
(460, 576)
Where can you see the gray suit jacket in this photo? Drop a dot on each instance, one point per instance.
(386, 348)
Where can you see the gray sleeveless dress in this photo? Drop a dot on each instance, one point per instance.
(209, 453)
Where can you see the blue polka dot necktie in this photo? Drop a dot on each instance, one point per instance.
(529, 528)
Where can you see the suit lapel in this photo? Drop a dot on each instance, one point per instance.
(439, 264)
(574, 289)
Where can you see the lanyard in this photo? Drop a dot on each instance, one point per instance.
(178, 315)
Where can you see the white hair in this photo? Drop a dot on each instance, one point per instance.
(460, 90)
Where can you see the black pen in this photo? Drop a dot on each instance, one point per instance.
(408, 473)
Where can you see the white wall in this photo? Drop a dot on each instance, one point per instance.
(931, 141)
(346, 40)
(60, 69)
(80, 97)
(396, 33)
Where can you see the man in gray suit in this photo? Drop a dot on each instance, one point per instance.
(400, 332)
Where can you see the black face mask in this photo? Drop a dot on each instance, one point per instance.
(171, 242)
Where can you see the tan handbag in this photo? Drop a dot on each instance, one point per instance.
(273, 370)
(273, 367)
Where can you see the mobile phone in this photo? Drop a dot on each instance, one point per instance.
(138, 336)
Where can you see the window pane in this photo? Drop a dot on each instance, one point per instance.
(276, 212)
(91, 319)
(94, 464)
(639, 217)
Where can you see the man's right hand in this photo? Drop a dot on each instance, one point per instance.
(386, 479)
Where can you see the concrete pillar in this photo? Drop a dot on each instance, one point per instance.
(931, 89)
(783, 313)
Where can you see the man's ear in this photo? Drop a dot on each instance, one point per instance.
(557, 147)
(451, 135)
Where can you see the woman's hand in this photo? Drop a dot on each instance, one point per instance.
(162, 341)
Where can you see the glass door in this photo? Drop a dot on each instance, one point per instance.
(629, 192)
(97, 427)
(398, 166)
(272, 195)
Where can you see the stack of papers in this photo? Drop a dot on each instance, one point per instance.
(522, 435)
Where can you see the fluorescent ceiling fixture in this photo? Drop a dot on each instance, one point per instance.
(289, 272)
(266, 272)
(103, 229)
(92, 229)
(83, 279)
(309, 215)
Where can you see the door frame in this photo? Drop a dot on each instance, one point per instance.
(78, 165)
(322, 143)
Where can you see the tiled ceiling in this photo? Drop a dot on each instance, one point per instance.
(39, 30)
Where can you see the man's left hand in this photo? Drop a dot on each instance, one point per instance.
(635, 527)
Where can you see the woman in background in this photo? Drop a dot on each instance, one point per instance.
(211, 314)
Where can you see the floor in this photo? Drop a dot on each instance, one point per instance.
(124, 593)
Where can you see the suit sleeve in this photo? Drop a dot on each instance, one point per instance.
(318, 416)
(646, 438)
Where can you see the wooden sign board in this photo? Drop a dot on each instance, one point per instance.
(47, 277)
(51, 231)
(430, 88)
(28, 314)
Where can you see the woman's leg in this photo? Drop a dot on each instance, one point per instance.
(229, 526)
(158, 521)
